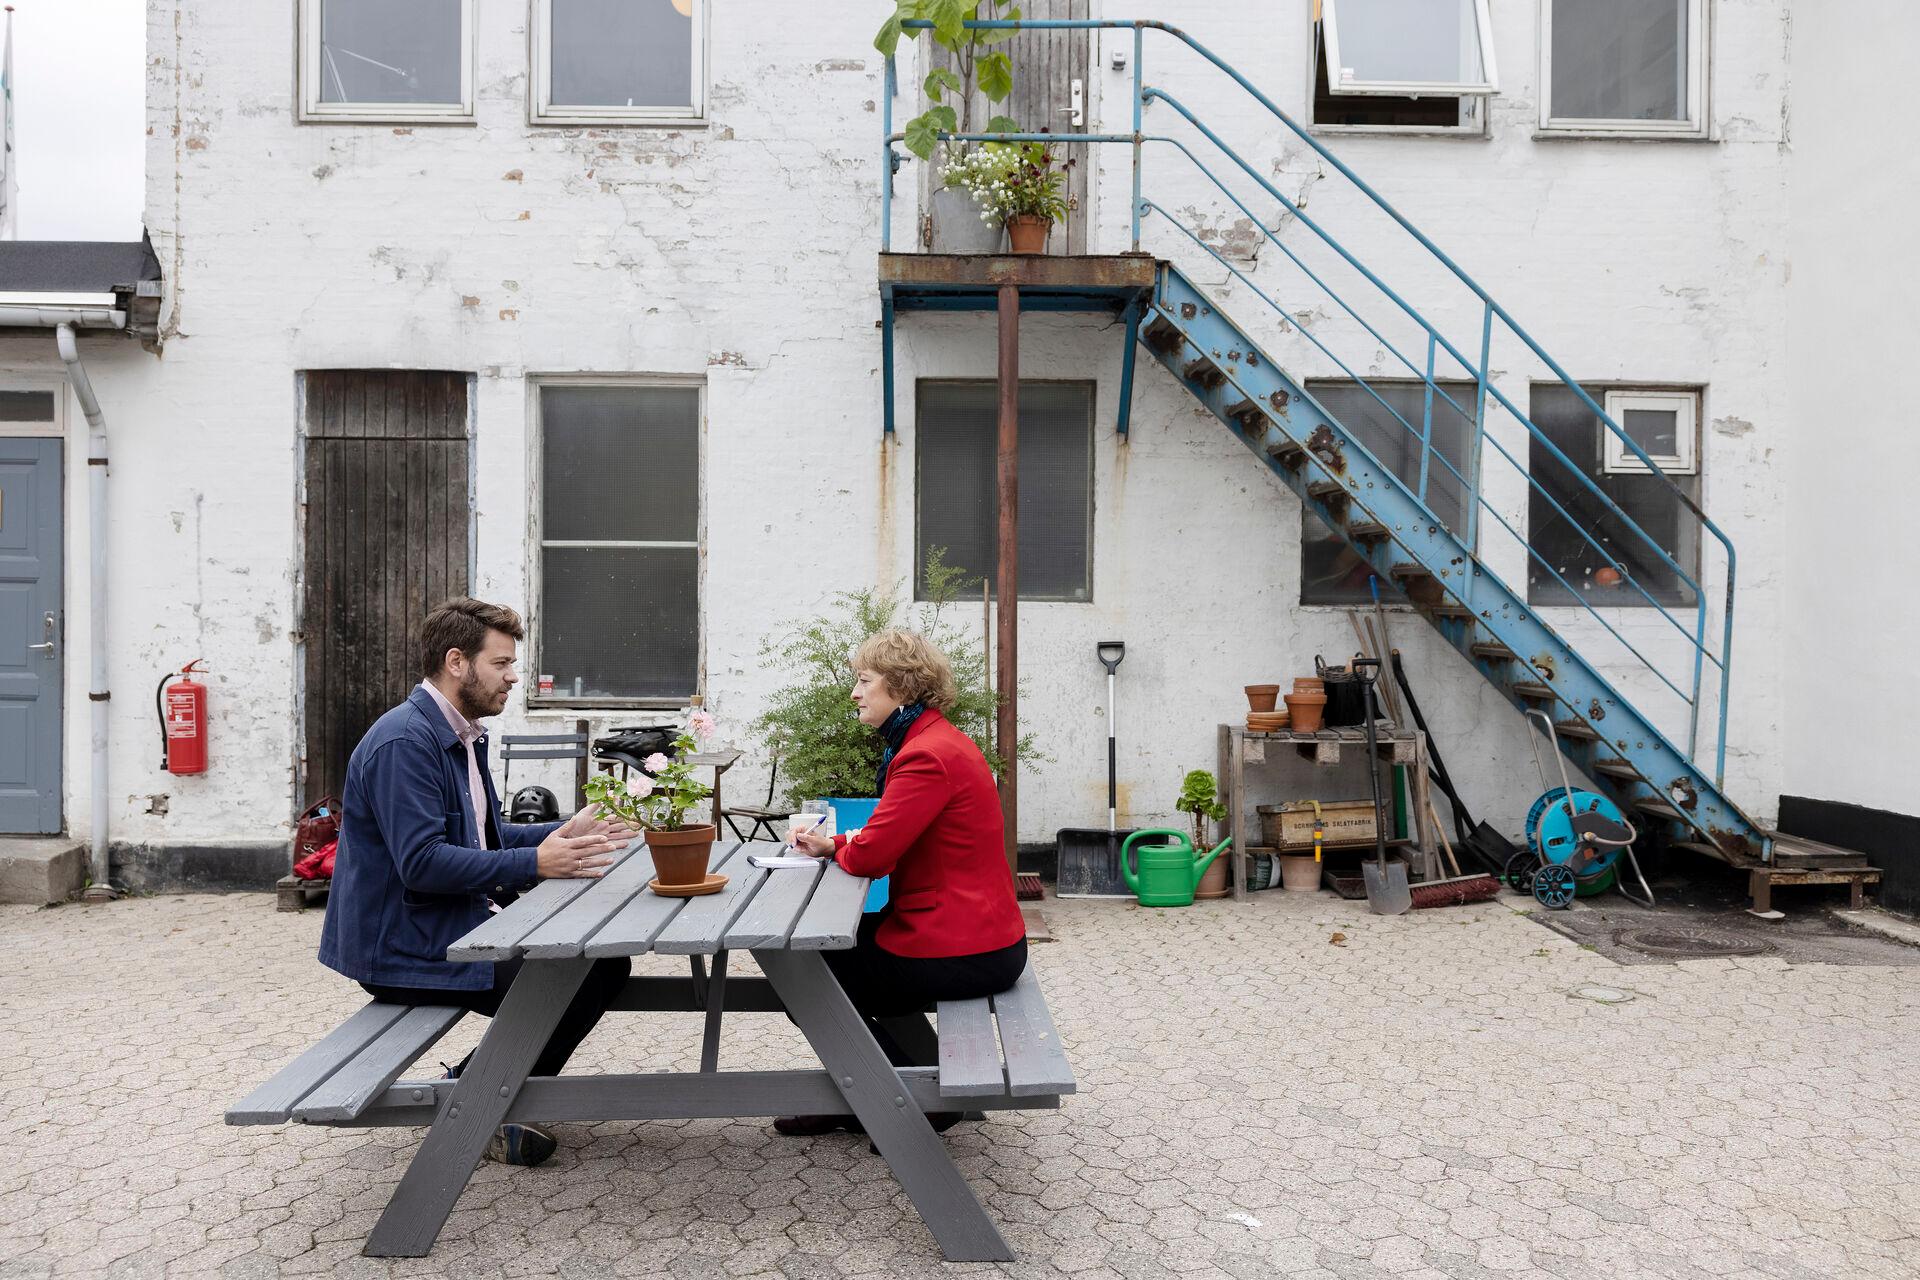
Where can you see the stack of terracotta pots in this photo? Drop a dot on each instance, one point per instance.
(1307, 704)
(1261, 717)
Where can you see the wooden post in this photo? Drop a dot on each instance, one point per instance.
(1007, 579)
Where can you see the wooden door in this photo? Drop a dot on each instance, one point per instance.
(31, 640)
(388, 502)
(1047, 67)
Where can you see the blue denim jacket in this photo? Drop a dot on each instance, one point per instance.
(411, 878)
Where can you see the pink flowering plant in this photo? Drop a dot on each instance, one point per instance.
(659, 798)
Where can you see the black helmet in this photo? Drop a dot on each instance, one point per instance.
(533, 804)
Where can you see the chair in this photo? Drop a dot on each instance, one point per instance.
(758, 816)
(537, 746)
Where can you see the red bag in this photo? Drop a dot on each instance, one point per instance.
(318, 865)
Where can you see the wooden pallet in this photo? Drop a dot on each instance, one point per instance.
(291, 892)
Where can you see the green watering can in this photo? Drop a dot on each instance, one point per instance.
(1169, 872)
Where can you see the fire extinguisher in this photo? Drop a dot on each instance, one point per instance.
(182, 707)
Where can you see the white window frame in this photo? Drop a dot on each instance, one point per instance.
(1699, 62)
(314, 111)
(1489, 84)
(540, 107)
(536, 543)
(1618, 460)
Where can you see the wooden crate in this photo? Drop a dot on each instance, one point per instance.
(292, 892)
(1290, 826)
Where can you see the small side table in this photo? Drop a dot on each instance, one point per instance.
(1324, 749)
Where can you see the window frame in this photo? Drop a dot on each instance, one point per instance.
(537, 545)
(542, 111)
(1617, 460)
(1488, 85)
(1093, 409)
(1697, 124)
(314, 111)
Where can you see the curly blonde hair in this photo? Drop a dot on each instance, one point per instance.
(912, 667)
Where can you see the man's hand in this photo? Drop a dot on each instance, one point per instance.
(590, 818)
(578, 857)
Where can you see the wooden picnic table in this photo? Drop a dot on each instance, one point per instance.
(787, 919)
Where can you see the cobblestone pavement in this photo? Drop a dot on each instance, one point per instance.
(1424, 1099)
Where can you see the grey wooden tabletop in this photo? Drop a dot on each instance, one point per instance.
(616, 914)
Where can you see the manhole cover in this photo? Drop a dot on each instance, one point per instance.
(1691, 944)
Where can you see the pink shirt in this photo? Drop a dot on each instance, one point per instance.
(469, 733)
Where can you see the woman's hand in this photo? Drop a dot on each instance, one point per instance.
(817, 846)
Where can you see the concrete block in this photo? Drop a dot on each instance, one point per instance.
(39, 872)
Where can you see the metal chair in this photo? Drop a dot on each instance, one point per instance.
(759, 816)
(538, 746)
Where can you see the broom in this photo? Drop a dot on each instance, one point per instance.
(1459, 889)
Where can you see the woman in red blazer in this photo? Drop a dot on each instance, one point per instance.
(952, 928)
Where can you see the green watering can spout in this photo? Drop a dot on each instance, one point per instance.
(1200, 867)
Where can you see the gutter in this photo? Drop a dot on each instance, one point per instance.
(97, 692)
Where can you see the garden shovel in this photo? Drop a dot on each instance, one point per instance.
(1387, 891)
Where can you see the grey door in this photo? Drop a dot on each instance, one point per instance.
(30, 636)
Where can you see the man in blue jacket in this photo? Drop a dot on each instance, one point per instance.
(423, 849)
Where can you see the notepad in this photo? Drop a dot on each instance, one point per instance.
(779, 860)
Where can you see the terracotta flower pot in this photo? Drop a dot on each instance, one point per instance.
(1299, 873)
(1261, 697)
(1213, 881)
(680, 857)
(1306, 710)
(1027, 233)
(1309, 684)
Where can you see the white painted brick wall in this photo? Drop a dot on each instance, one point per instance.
(745, 252)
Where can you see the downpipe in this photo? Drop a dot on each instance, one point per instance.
(97, 692)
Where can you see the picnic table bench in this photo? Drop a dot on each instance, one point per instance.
(999, 1053)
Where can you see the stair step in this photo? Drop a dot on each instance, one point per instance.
(1576, 729)
(1163, 335)
(1491, 652)
(1203, 371)
(1453, 609)
(1533, 689)
(1328, 490)
(1617, 769)
(1244, 409)
(1288, 454)
(1367, 531)
(1404, 572)
(1659, 809)
(1799, 847)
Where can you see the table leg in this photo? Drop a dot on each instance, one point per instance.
(893, 1120)
(479, 1101)
(716, 1004)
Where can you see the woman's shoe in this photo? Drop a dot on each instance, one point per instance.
(814, 1126)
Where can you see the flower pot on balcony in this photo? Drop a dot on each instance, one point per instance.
(1027, 233)
(957, 225)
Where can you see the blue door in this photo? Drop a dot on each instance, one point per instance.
(31, 645)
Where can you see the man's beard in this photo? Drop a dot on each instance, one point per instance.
(473, 700)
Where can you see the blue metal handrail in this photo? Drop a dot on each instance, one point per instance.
(1144, 94)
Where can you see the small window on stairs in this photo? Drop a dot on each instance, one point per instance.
(1611, 547)
(1387, 418)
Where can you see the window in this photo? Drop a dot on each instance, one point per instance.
(1660, 422)
(1402, 64)
(957, 429)
(381, 60)
(1331, 571)
(1602, 559)
(1624, 67)
(26, 406)
(601, 61)
(619, 616)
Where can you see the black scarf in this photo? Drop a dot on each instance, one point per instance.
(894, 732)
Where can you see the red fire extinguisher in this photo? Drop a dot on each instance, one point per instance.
(183, 721)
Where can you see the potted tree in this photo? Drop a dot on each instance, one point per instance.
(976, 68)
(1200, 800)
(658, 802)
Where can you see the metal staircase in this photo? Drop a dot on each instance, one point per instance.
(1448, 566)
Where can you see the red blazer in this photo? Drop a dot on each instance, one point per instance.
(938, 833)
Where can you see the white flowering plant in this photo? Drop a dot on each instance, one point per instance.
(660, 797)
(1011, 180)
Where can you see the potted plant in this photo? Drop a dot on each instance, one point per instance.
(1200, 800)
(658, 801)
(1026, 193)
(956, 226)
(964, 220)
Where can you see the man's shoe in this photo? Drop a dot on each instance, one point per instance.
(522, 1144)
(814, 1126)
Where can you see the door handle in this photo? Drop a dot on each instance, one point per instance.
(50, 625)
(1077, 95)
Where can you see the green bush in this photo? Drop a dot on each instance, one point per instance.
(824, 749)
